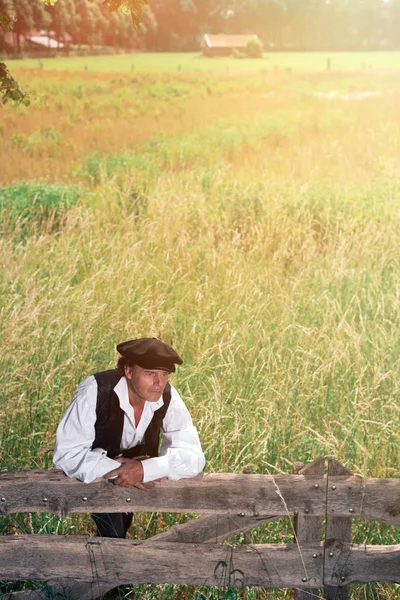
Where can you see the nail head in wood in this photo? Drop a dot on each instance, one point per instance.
(334, 487)
(351, 509)
(84, 499)
(128, 499)
(3, 499)
(330, 554)
(304, 579)
(45, 499)
(316, 485)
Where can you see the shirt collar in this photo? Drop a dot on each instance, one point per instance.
(121, 389)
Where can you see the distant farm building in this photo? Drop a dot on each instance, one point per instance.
(224, 44)
(42, 42)
(47, 39)
(36, 41)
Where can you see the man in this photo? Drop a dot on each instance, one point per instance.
(113, 425)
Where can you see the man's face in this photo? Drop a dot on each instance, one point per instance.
(148, 384)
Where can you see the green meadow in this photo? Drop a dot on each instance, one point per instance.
(191, 62)
(250, 216)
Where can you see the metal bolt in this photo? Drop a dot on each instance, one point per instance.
(331, 554)
(241, 515)
(343, 578)
(315, 555)
(304, 579)
(128, 499)
(306, 510)
(45, 499)
(334, 487)
(3, 499)
(351, 509)
(84, 499)
(316, 485)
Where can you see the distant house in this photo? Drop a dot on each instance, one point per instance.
(42, 42)
(36, 41)
(47, 39)
(223, 44)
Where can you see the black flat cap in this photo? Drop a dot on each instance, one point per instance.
(150, 353)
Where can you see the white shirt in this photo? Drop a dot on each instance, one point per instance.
(181, 453)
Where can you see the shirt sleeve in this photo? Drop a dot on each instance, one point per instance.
(75, 435)
(181, 453)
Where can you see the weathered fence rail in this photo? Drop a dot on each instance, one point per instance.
(190, 554)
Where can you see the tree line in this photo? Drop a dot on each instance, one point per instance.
(178, 25)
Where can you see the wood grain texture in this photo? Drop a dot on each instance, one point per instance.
(368, 498)
(214, 493)
(209, 529)
(337, 528)
(351, 563)
(39, 557)
(309, 528)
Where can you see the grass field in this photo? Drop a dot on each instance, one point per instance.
(252, 220)
(188, 62)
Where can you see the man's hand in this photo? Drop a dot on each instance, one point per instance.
(129, 473)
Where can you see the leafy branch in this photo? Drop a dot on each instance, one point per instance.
(10, 89)
(134, 8)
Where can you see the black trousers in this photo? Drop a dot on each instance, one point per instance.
(113, 525)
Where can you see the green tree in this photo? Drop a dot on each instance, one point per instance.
(6, 21)
(177, 25)
(84, 22)
(61, 17)
(24, 20)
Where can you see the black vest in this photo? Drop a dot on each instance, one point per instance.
(110, 420)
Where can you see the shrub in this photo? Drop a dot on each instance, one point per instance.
(43, 141)
(34, 207)
(254, 48)
(22, 196)
(97, 167)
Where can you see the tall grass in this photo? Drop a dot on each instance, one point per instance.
(265, 248)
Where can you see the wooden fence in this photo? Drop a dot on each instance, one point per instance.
(86, 567)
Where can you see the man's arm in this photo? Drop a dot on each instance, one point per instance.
(181, 453)
(75, 435)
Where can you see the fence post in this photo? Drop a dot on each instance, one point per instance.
(337, 528)
(247, 536)
(308, 529)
